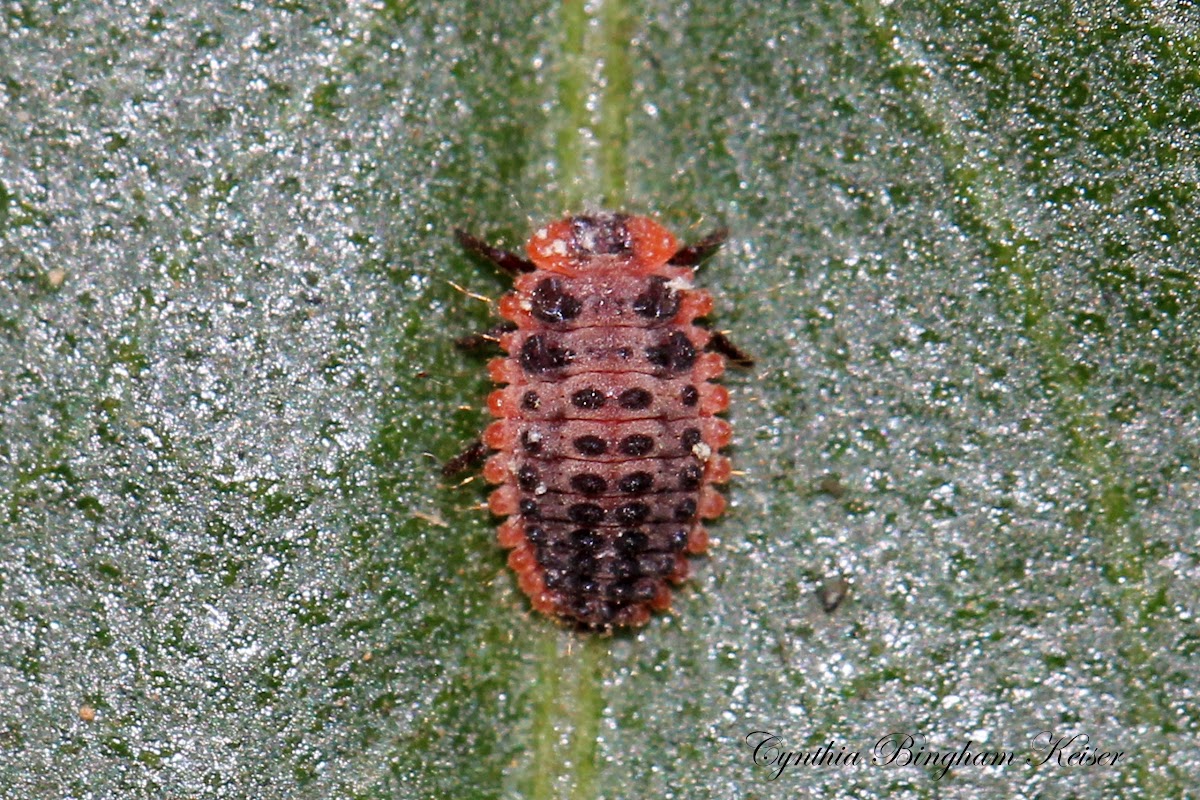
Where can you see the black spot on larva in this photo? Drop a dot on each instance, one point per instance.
(538, 355)
(531, 401)
(527, 478)
(643, 591)
(585, 540)
(678, 539)
(531, 442)
(691, 438)
(586, 513)
(689, 396)
(675, 353)
(588, 399)
(556, 558)
(635, 399)
(584, 565)
(571, 583)
(658, 355)
(551, 302)
(605, 612)
(632, 513)
(588, 484)
(632, 542)
(624, 353)
(561, 579)
(636, 483)
(535, 534)
(636, 445)
(625, 566)
(656, 564)
(685, 510)
(657, 302)
(602, 235)
(689, 476)
(530, 510)
(590, 446)
(619, 592)
(683, 352)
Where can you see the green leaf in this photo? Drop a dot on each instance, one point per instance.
(963, 253)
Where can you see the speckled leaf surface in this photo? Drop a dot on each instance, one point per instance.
(963, 250)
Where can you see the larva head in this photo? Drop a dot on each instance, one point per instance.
(576, 245)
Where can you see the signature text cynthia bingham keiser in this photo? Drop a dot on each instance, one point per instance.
(910, 749)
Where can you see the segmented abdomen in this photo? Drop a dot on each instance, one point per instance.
(607, 440)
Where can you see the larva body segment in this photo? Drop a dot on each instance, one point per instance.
(606, 434)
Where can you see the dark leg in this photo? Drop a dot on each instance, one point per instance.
(719, 343)
(693, 254)
(472, 456)
(478, 341)
(511, 263)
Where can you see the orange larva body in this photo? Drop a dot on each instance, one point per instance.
(606, 430)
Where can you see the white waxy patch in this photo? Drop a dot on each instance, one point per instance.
(702, 451)
(680, 284)
(559, 248)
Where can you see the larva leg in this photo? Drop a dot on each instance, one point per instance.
(511, 263)
(693, 254)
(719, 343)
(490, 337)
(471, 456)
